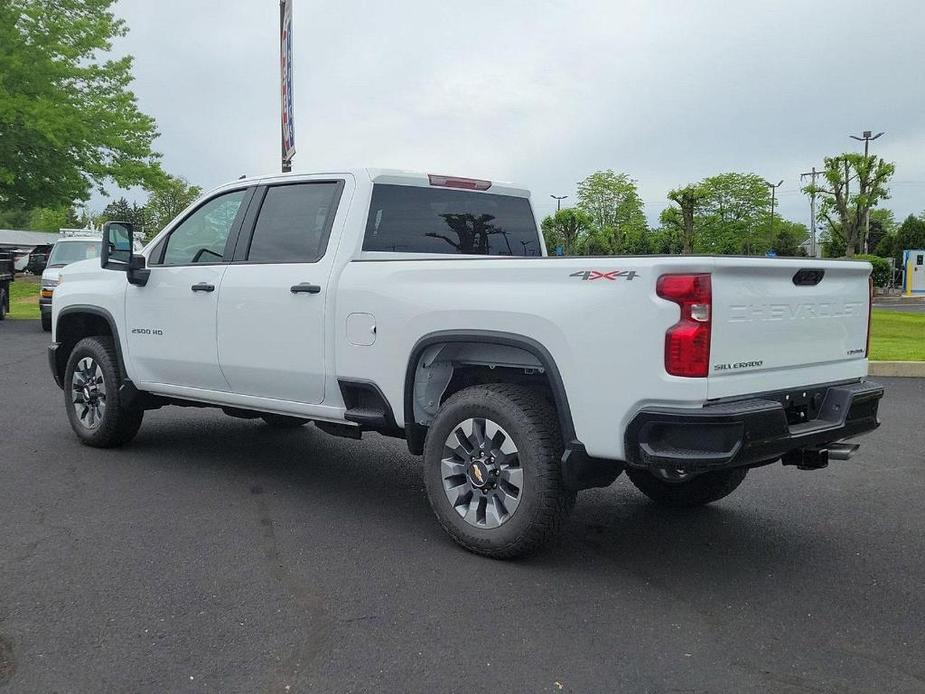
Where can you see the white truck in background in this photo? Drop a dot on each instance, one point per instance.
(425, 307)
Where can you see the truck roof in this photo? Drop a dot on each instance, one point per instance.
(391, 176)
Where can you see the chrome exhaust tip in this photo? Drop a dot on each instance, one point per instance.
(842, 451)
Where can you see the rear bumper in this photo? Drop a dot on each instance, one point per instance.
(757, 430)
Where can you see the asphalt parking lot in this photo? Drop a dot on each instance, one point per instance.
(215, 554)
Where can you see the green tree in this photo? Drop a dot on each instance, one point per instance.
(852, 185)
(887, 247)
(909, 236)
(565, 228)
(51, 218)
(15, 218)
(169, 198)
(665, 240)
(613, 204)
(68, 120)
(681, 218)
(788, 237)
(120, 210)
(734, 212)
(882, 225)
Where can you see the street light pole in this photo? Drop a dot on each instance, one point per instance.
(866, 138)
(773, 188)
(558, 199)
(812, 209)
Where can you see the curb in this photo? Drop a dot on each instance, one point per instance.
(901, 369)
(914, 299)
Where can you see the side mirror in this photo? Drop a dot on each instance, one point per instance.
(116, 253)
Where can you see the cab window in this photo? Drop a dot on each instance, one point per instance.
(294, 223)
(201, 237)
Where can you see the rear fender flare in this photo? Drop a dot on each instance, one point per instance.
(527, 344)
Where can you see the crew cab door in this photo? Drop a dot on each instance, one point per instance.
(171, 321)
(271, 307)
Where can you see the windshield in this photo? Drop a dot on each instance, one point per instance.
(65, 253)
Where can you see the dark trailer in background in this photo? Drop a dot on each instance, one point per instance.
(7, 273)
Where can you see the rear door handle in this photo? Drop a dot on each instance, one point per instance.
(305, 288)
(203, 287)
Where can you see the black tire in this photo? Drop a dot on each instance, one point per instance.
(46, 322)
(281, 421)
(118, 423)
(702, 489)
(3, 303)
(544, 501)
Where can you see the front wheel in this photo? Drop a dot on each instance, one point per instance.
(46, 322)
(91, 395)
(684, 490)
(492, 468)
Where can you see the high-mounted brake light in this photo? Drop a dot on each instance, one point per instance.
(687, 342)
(456, 182)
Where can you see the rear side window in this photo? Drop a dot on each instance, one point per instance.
(413, 219)
(294, 223)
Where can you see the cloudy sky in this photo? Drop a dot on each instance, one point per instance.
(541, 92)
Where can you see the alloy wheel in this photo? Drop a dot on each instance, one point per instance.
(481, 472)
(89, 393)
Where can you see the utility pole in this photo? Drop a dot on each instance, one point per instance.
(812, 209)
(558, 199)
(773, 188)
(866, 139)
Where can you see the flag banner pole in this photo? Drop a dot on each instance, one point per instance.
(287, 123)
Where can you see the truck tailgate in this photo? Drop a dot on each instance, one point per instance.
(775, 322)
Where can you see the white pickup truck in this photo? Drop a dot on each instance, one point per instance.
(425, 307)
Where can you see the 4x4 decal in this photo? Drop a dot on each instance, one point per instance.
(612, 275)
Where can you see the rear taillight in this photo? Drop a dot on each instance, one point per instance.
(870, 312)
(687, 342)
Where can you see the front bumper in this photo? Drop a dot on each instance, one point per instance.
(53, 363)
(44, 305)
(757, 430)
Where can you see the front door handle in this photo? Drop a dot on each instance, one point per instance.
(305, 288)
(203, 287)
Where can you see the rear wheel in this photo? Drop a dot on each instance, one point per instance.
(281, 421)
(3, 303)
(492, 470)
(685, 490)
(91, 395)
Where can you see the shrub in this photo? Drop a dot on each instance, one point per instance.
(881, 273)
